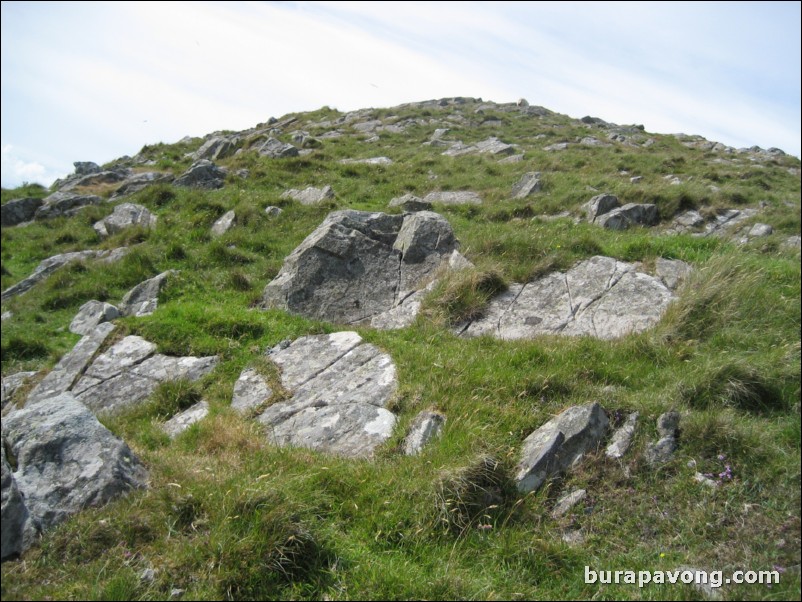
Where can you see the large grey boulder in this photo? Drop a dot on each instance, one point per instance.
(559, 444)
(457, 197)
(216, 148)
(310, 195)
(125, 215)
(202, 174)
(85, 168)
(599, 297)
(527, 185)
(65, 461)
(425, 427)
(61, 204)
(275, 149)
(357, 264)
(51, 264)
(91, 314)
(140, 181)
(599, 205)
(631, 214)
(17, 211)
(143, 299)
(71, 366)
(340, 389)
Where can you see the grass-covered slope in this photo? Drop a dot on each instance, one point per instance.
(230, 516)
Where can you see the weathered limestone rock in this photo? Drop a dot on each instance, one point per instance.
(672, 272)
(527, 185)
(559, 444)
(425, 427)
(91, 314)
(369, 161)
(18, 531)
(340, 389)
(557, 146)
(273, 211)
(183, 420)
(491, 146)
(250, 391)
(599, 205)
(568, 501)
(85, 168)
(224, 223)
(459, 197)
(600, 297)
(71, 366)
(622, 438)
(140, 181)
(61, 204)
(202, 174)
(356, 264)
(125, 216)
(759, 231)
(309, 196)
(275, 149)
(11, 383)
(217, 148)
(65, 461)
(143, 299)
(51, 264)
(17, 211)
(663, 450)
(411, 203)
(631, 214)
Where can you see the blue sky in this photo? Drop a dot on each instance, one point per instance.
(95, 81)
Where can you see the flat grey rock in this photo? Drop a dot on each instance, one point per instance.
(759, 231)
(125, 215)
(672, 272)
(340, 389)
(140, 181)
(202, 174)
(491, 146)
(143, 299)
(250, 391)
(217, 147)
(183, 420)
(410, 203)
(224, 223)
(622, 438)
(560, 443)
(458, 197)
(91, 314)
(18, 211)
(368, 161)
(61, 204)
(599, 297)
(356, 265)
(275, 149)
(527, 185)
(309, 196)
(425, 427)
(65, 461)
(568, 501)
(71, 366)
(631, 214)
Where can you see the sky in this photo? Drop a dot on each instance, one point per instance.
(93, 81)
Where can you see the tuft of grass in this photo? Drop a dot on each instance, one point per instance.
(463, 295)
(733, 385)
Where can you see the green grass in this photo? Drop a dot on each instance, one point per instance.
(228, 516)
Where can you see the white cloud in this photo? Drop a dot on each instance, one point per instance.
(16, 171)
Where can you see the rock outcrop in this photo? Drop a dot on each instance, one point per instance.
(18, 211)
(202, 174)
(340, 390)
(143, 299)
(357, 265)
(62, 204)
(309, 196)
(91, 314)
(599, 297)
(125, 215)
(65, 461)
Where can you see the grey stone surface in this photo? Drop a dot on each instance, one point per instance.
(356, 264)
(183, 420)
(217, 147)
(340, 389)
(275, 149)
(273, 211)
(91, 314)
(458, 197)
(663, 449)
(85, 168)
(557, 146)
(568, 501)
(125, 216)
(65, 461)
(12, 383)
(309, 196)
(44, 269)
(17, 211)
(71, 366)
(425, 427)
(599, 205)
(599, 297)
(759, 231)
(527, 185)
(143, 299)
(368, 161)
(491, 146)
(61, 204)
(224, 223)
(140, 181)
(18, 530)
(672, 272)
(250, 391)
(202, 174)
(119, 357)
(409, 202)
(559, 444)
(622, 438)
(631, 214)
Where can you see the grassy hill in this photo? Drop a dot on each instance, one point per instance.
(230, 516)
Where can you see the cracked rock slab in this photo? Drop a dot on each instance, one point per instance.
(599, 297)
(250, 391)
(357, 265)
(91, 314)
(340, 389)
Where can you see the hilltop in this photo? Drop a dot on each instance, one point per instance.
(450, 349)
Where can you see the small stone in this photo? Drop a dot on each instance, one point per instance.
(426, 426)
(568, 501)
